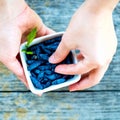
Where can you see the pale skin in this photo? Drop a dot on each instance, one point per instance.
(90, 30)
(13, 30)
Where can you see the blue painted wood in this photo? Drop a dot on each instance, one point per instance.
(60, 106)
(101, 102)
(58, 19)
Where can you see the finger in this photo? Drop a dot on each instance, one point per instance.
(44, 30)
(49, 31)
(90, 80)
(17, 69)
(60, 54)
(72, 69)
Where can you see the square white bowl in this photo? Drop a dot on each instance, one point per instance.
(27, 73)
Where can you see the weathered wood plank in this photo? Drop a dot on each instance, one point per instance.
(55, 13)
(58, 19)
(94, 105)
(8, 81)
(60, 106)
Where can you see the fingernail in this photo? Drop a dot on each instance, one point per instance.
(52, 59)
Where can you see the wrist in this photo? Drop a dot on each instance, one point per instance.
(8, 12)
(98, 6)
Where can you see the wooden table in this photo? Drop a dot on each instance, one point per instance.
(101, 102)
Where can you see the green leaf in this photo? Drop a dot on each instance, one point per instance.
(24, 50)
(31, 36)
(27, 52)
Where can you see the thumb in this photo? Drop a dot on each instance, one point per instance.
(60, 53)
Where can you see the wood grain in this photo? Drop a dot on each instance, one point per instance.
(60, 106)
(101, 102)
(58, 19)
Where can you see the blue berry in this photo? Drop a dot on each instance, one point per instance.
(43, 67)
(47, 84)
(41, 75)
(34, 65)
(44, 80)
(36, 83)
(43, 57)
(29, 62)
(37, 71)
(49, 72)
(58, 81)
(51, 77)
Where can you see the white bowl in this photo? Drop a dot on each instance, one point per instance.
(27, 73)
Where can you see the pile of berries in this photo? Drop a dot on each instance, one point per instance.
(42, 72)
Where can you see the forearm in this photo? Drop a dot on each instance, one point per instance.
(101, 5)
(10, 8)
